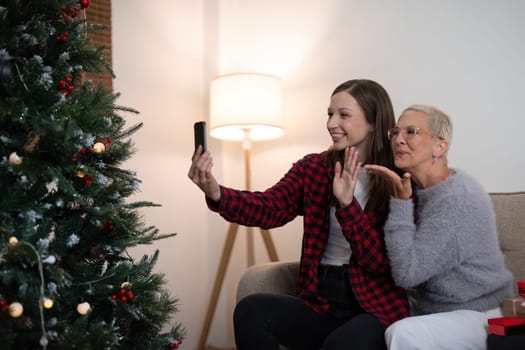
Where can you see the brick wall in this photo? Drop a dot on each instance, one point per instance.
(99, 12)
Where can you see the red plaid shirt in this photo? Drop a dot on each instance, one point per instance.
(307, 190)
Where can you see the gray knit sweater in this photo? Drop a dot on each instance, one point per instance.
(450, 253)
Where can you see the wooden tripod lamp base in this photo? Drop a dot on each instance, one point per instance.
(221, 272)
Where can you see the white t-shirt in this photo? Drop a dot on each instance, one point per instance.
(338, 250)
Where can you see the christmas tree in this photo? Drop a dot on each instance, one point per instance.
(67, 280)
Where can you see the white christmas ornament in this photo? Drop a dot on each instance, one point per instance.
(47, 303)
(13, 241)
(16, 309)
(15, 159)
(99, 148)
(43, 341)
(83, 308)
(50, 260)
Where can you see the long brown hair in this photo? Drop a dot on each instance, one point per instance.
(379, 112)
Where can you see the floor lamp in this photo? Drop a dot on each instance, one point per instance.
(244, 107)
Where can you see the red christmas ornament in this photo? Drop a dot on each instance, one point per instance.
(175, 345)
(125, 294)
(108, 226)
(88, 180)
(84, 4)
(63, 38)
(4, 306)
(65, 85)
(69, 12)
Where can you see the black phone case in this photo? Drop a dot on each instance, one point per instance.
(199, 130)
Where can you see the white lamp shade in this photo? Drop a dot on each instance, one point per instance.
(246, 105)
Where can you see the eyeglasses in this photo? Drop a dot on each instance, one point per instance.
(410, 132)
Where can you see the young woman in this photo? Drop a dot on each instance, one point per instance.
(442, 240)
(345, 293)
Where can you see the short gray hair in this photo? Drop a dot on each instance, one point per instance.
(439, 122)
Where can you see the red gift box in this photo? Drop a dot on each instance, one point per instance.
(521, 288)
(506, 325)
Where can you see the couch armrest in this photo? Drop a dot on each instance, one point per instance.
(275, 277)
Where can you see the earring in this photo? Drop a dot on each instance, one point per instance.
(434, 159)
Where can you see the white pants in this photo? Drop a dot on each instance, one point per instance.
(454, 330)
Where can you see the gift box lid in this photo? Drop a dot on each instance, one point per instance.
(507, 321)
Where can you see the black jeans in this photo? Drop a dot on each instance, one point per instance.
(263, 321)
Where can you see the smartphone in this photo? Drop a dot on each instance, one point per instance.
(199, 133)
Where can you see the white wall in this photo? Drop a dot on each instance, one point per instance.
(463, 56)
(158, 60)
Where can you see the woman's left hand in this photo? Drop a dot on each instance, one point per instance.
(345, 177)
(401, 186)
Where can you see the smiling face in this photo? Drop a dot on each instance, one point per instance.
(347, 123)
(414, 150)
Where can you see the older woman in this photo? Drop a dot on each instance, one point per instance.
(442, 240)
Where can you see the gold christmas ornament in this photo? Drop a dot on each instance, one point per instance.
(83, 308)
(99, 148)
(13, 241)
(15, 159)
(125, 285)
(80, 171)
(16, 309)
(47, 303)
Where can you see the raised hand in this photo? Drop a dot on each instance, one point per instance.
(201, 175)
(345, 177)
(401, 186)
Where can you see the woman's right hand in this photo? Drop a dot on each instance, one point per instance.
(200, 174)
(401, 186)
